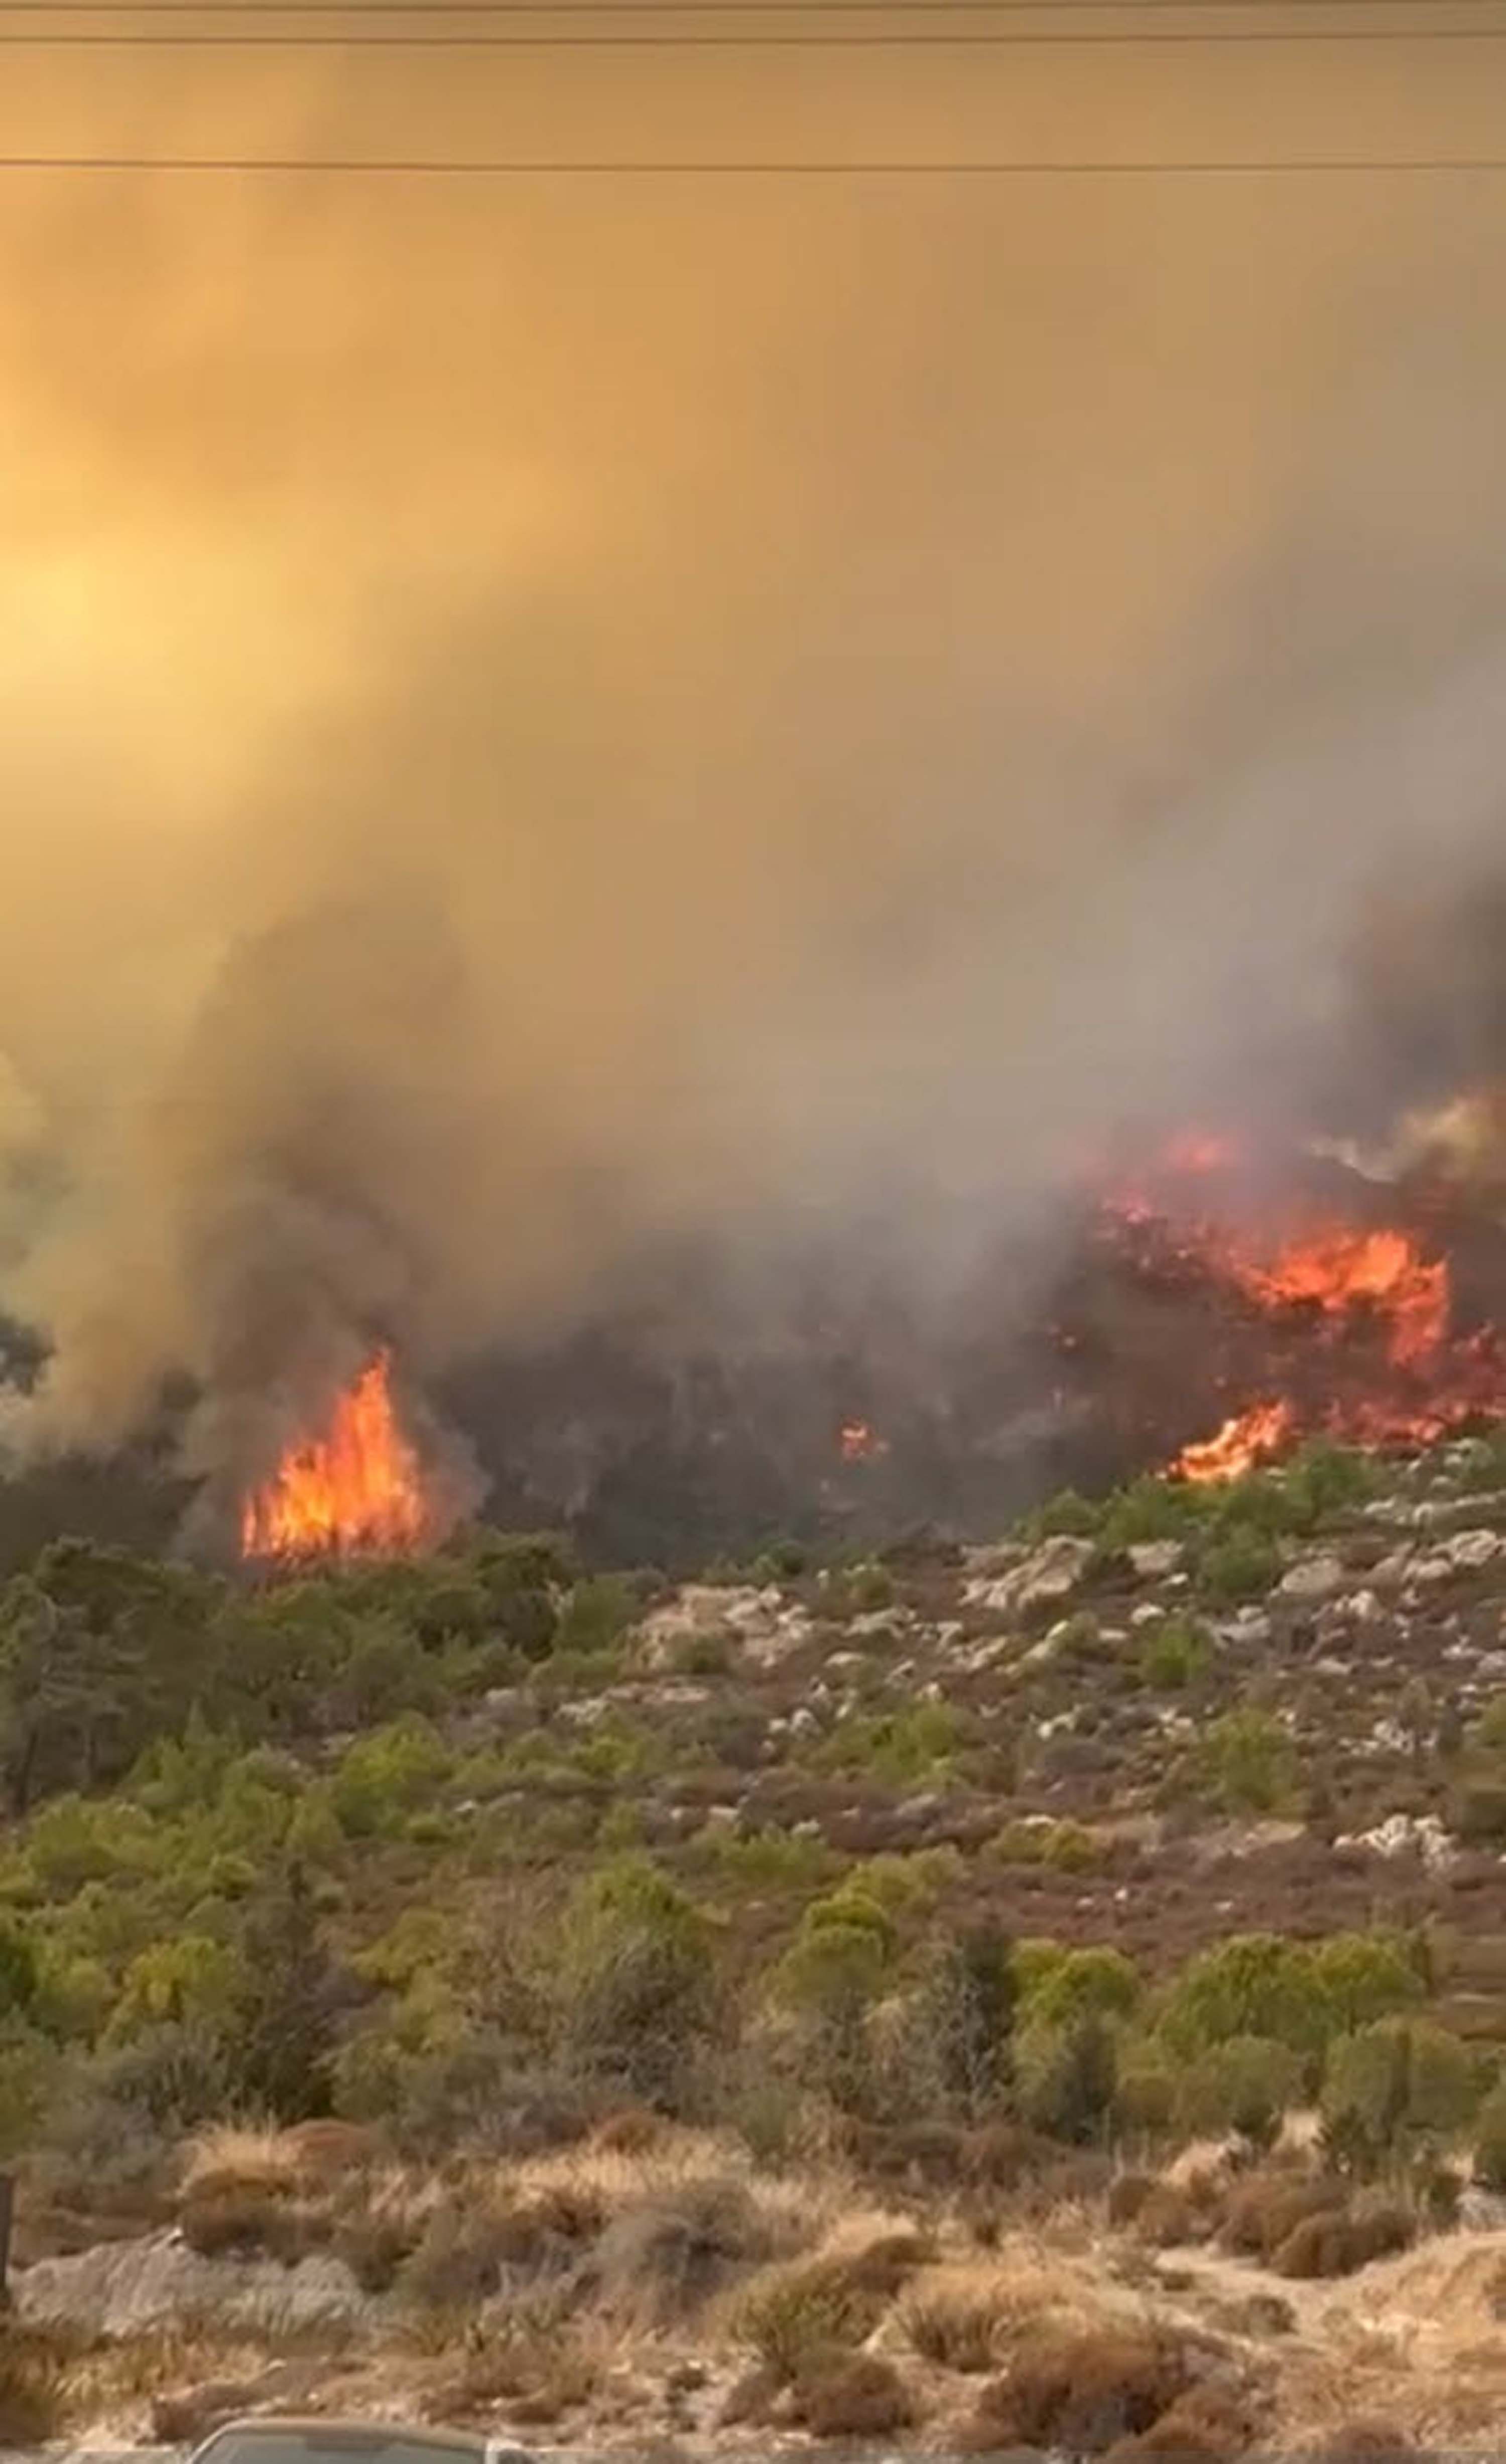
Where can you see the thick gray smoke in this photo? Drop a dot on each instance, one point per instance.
(544, 724)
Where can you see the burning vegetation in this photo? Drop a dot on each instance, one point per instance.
(1218, 1306)
(1316, 1321)
(1209, 1312)
(355, 1489)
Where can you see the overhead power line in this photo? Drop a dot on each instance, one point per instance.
(439, 166)
(1079, 39)
(436, 8)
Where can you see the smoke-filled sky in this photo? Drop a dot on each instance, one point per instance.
(540, 714)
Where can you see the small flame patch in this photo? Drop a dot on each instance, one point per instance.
(1246, 1440)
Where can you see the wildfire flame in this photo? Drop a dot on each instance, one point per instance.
(1337, 1272)
(859, 1443)
(1247, 1439)
(1371, 1305)
(355, 1488)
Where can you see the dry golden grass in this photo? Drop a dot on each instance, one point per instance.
(832, 2297)
(314, 2159)
(1365, 2441)
(1268, 2207)
(1206, 2426)
(232, 2158)
(670, 2242)
(1085, 2392)
(957, 2318)
(122, 2375)
(664, 2256)
(1340, 2240)
(852, 2395)
(34, 2384)
(535, 2365)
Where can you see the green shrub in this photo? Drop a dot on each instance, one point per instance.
(1174, 1653)
(1322, 1479)
(1150, 1509)
(1251, 1760)
(166, 2078)
(1392, 2087)
(1081, 1983)
(900, 1748)
(597, 1614)
(908, 1878)
(74, 1840)
(1066, 1514)
(20, 1970)
(1068, 2077)
(28, 2069)
(1364, 1977)
(770, 1858)
(634, 1984)
(191, 1980)
(1490, 1728)
(1253, 1984)
(382, 1778)
(967, 2016)
(1476, 1809)
(282, 2033)
(1146, 2088)
(1258, 1504)
(521, 1576)
(1066, 1847)
(74, 1995)
(1240, 1565)
(1245, 2084)
(841, 1955)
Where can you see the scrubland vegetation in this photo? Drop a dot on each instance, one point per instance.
(749, 1974)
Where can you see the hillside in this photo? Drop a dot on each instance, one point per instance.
(791, 2002)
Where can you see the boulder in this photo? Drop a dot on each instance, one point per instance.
(745, 1613)
(1050, 1572)
(120, 2288)
(1468, 1551)
(1408, 1834)
(1313, 1578)
(1154, 1559)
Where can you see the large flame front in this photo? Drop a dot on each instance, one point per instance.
(355, 1489)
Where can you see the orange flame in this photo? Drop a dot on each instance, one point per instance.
(1371, 1303)
(860, 1443)
(355, 1488)
(1250, 1438)
(1339, 1271)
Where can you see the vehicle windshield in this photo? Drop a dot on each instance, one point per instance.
(332, 2446)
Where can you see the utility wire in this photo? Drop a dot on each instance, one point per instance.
(754, 9)
(1013, 41)
(439, 166)
(358, 9)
